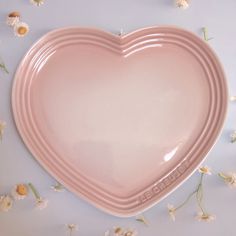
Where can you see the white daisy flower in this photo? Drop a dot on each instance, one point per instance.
(41, 203)
(19, 191)
(205, 217)
(37, 3)
(233, 137)
(204, 170)
(230, 179)
(13, 18)
(21, 29)
(142, 219)
(233, 98)
(184, 4)
(117, 231)
(171, 211)
(6, 203)
(71, 228)
(130, 232)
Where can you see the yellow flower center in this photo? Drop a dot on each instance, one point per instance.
(205, 217)
(22, 30)
(21, 189)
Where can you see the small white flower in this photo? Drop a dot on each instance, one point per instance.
(21, 29)
(205, 217)
(2, 127)
(184, 4)
(233, 137)
(204, 170)
(41, 203)
(230, 179)
(130, 232)
(171, 211)
(117, 231)
(71, 228)
(233, 98)
(37, 2)
(13, 18)
(6, 203)
(19, 191)
(142, 219)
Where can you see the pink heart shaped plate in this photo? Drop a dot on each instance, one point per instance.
(120, 121)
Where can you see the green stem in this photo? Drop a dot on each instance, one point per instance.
(4, 68)
(186, 201)
(223, 176)
(205, 34)
(34, 191)
(199, 194)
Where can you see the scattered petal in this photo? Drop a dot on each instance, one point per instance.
(183, 4)
(205, 170)
(19, 191)
(13, 18)
(229, 179)
(37, 3)
(21, 29)
(41, 203)
(205, 217)
(233, 137)
(2, 127)
(6, 203)
(171, 211)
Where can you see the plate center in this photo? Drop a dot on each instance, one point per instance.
(123, 121)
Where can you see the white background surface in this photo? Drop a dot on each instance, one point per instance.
(17, 164)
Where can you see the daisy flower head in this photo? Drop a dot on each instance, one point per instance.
(171, 211)
(37, 3)
(229, 179)
(130, 232)
(204, 170)
(6, 203)
(21, 29)
(71, 228)
(201, 216)
(19, 191)
(13, 18)
(117, 231)
(41, 203)
(233, 137)
(183, 4)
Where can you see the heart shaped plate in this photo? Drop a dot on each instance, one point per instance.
(120, 121)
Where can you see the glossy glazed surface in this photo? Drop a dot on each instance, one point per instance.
(120, 121)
